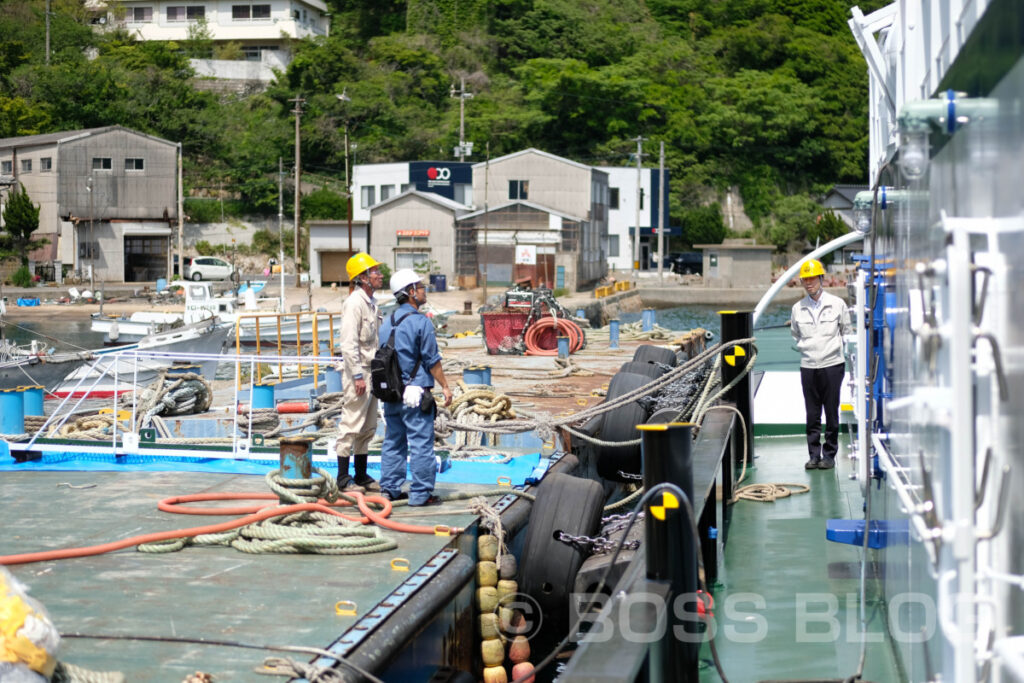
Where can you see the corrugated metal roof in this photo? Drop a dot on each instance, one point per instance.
(67, 135)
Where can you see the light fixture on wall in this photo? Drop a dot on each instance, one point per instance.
(945, 115)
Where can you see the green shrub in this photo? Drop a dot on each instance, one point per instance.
(21, 277)
(205, 248)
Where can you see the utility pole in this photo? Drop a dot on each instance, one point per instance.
(343, 97)
(464, 147)
(636, 230)
(88, 247)
(298, 100)
(661, 213)
(47, 32)
(181, 218)
(487, 217)
(280, 225)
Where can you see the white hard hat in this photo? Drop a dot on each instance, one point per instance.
(403, 278)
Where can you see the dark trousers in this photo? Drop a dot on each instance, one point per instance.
(821, 390)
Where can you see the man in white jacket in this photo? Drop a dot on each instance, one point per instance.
(357, 337)
(818, 323)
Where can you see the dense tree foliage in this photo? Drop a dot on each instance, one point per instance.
(769, 96)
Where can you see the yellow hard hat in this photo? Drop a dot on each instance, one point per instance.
(812, 268)
(360, 263)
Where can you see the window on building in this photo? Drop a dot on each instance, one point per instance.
(405, 187)
(26, 165)
(45, 164)
(386, 191)
(410, 259)
(295, 14)
(368, 194)
(250, 12)
(613, 246)
(140, 15)
(186, 13)
(518, 189)
(413, 241)
(134, 164)
(6, 167)
(464, 193)
(102, 164)
(613, 197)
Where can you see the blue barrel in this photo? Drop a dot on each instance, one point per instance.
(613, 334)
(332, 381)
(262, 396)
(296, 457)
(563, 347)
(580, 313)
(477, 374)
(440, 282)
(647, 320)
(12, 412)
(161, 284)
(32, 399)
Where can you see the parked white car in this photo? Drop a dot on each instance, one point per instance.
(208, 268)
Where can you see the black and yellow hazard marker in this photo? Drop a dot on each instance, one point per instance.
(738, 352)
(668, 502)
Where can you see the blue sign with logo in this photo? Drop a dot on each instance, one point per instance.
(440, 177)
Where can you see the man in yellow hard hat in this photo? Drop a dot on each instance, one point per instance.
(357, 339)
(818, 323)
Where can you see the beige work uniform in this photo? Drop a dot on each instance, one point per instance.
(358, 343)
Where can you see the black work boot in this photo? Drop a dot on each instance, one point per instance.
(362, 478)
(812, 464)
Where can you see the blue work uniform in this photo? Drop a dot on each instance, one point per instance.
(410, 431)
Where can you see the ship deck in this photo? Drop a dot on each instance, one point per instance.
(161, 617)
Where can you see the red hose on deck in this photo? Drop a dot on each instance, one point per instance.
(561, 326)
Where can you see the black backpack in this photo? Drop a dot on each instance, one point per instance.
(386, 381)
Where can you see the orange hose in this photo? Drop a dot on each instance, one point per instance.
(255, 513)
(566, 327)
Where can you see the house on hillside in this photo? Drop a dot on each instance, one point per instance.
(261, 28)
(107, 199)
(557, 206)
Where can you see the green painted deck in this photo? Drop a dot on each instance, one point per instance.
(208, 593)
(787, 602)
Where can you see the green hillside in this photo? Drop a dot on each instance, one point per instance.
(766, 95)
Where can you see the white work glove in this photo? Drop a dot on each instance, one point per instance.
(412, 395)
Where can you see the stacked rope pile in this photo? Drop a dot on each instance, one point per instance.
(307, 531)
(172, 394)
(474, 404)
(88, 427)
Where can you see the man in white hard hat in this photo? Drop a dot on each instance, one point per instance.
(818, 323)
(410, 422)
(357, 338)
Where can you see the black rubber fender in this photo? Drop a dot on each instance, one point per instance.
(620, 425)
(547, 570)
(651, 370)
(647, 353)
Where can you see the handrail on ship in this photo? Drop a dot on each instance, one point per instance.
(278, 318)
(827, 248)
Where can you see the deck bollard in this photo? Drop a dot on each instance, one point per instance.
(262, 396)
(613, 334)
(12, 411)
(647, 319)
(563, 347)
(670, 546)
(32, 399)
(296, 457)
(477, 374)
(332, 381)
(735, 357)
